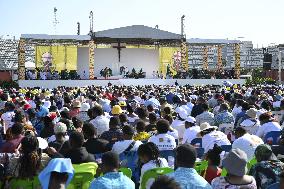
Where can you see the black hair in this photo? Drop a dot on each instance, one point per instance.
(214, 155)
(10, 106)
(19, 116)
(53, 108)
(165, 182)
(114, 121)
(123, 118)
(167, 110)
(89, 130)
(152, 117)
(151, 151)
(150, 108)
(4, 97)
(162, 126)
(17, 129)
(30, 158)
(140, 126)
(142, 113)
(186, 155)
(77, 122)
(128, 130)
(129, 109)
(169, 118)
(205, 106)
(245, 106)
(110, 160)
(98, 110)
(240, 130)
(76, 139)
(65, 114)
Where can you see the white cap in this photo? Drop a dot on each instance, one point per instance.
(190, 119)
(85, 107)
(181, 112)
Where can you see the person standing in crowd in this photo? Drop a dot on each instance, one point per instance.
(185, 174)
(111, 178)
(191, 130)
(162, 139)
(11, 146)
(7, 117)
(235, 164)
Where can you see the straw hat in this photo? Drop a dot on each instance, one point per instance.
(76, 104)
(204, 126)
(251, 112)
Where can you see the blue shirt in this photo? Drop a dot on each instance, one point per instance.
(112, 180)
(188, 178)
(223, 117)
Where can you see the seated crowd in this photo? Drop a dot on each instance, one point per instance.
(169, 131)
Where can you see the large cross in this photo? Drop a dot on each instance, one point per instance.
(119, 47)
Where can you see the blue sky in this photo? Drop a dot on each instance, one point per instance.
(255, 20)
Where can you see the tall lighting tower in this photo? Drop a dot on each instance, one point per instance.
(55, 21)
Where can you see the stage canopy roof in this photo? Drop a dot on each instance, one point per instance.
(198, 41)
(56, 37)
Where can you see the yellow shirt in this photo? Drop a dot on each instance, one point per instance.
(142, 136)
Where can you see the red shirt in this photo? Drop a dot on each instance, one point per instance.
(211, 173)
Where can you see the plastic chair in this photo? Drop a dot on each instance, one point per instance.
(153, 174)
(224, 172)
(226, 148)
(25, 183)
(196, 141)
(84, 175)
(130, 160)
(200, 152)
(274, 135)
(251, 163)
(126, 171)
(201, 166)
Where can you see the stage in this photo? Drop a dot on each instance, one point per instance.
(135, 82)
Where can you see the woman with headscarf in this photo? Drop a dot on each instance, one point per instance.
(268, 168)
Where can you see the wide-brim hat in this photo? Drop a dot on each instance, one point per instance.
(76, 104)
(235, 162)
(204, 126)
(252, 112)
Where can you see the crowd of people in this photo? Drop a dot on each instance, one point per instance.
(44, 129)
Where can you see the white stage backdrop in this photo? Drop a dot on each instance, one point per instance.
(147, 59)
(83, 61)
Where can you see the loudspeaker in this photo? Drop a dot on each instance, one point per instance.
(267, 61)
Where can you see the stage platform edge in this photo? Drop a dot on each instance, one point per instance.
(135, 82)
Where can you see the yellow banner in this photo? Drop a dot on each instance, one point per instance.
(170, 57)
(56, 57)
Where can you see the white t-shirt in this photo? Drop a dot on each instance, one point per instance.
(173, 133)
(7, 120)
(151, 165)
(121, 146)
(101, 123)
(53, 138)
(215, 137)
(163, 141)
(248, 144)
(190, 134)
(179, 126)
(266, 128)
